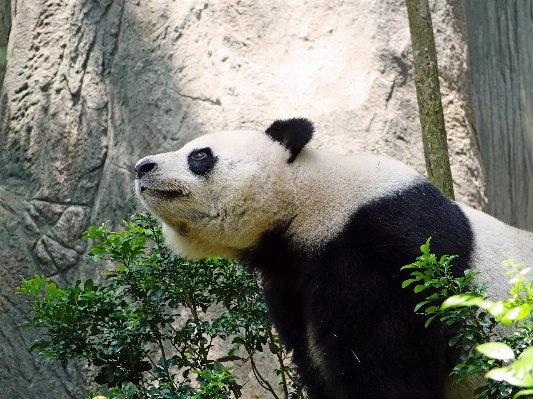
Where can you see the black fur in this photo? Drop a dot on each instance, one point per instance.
(201, 161)
(293, 134)
(349, 294)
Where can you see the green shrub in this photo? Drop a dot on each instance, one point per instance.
(473, 330)
(516, 312)
(147, 329)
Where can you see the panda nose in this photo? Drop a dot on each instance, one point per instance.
(144, 166)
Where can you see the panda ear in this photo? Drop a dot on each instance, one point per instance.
(293, 134)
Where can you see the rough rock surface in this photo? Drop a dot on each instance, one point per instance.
(92, 86)
(502, 77)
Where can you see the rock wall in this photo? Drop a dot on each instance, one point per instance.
(502, 76)
(92, 86)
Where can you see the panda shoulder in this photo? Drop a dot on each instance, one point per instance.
(331, 188)
(371, 175)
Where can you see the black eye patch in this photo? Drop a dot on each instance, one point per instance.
(201, 161)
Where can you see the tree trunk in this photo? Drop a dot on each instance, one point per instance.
(5, 28)
(500, 33)
(92, 86)
(428, 96)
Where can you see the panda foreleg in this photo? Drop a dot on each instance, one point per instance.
(286, 309)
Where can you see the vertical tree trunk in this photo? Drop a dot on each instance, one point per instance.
(5, 28)
(501, 53)
(428, 96)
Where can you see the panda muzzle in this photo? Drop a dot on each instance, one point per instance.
(164, 190)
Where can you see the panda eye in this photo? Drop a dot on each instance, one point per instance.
(201, 161)
(199, 156)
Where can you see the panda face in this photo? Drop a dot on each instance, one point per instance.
(218, 193)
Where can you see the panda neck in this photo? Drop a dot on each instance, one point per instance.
(329, 188)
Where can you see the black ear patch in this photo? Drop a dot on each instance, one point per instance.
(293, 134)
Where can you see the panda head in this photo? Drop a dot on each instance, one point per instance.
(220, 192)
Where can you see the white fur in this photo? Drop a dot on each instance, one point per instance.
(494, 242)
(245, 195)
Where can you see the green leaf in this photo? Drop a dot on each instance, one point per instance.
(41, 344)
(527, 355)
(453, 340)
(429, 321)
(519, 313)
(425, 247)
(407, 282)
(462, 300)
(238, 340)
(494, 308)
(419, 305)
(88, 286)
(509, 375)
(420, 288)
(523, 393)
(273, 348)
(496, 350)
(498, 374)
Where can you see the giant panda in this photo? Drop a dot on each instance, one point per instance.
(328, 235)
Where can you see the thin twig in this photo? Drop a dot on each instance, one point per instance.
(260, 378)
(160, 344)
(281, 364)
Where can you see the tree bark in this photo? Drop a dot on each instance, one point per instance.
(5, 28)
(428, 96)
(501, 52)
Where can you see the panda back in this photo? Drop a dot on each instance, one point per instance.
(495, 242)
